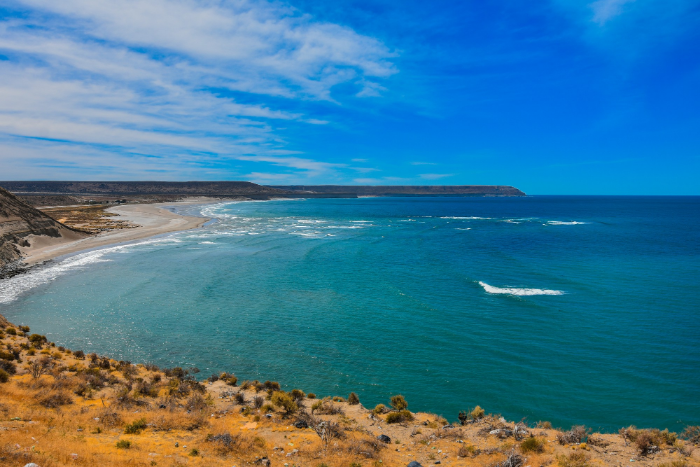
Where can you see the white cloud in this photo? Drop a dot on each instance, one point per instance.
(422, 163)
(604, 10)
(434, 176)
(130, 77)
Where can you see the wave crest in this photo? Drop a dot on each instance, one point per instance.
(519, 292)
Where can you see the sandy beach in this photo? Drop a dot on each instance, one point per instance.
(152, 219)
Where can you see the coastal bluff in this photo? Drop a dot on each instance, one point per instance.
(62, 407)
(22, 226)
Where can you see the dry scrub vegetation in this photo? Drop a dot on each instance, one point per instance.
(60, 407)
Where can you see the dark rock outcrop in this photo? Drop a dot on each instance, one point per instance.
(20, 224)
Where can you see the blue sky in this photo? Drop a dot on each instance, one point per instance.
(554, 97)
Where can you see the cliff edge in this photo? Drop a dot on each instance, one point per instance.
(23, 227)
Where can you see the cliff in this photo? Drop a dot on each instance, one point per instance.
(21, 226)
(143, 188)
(62, 408)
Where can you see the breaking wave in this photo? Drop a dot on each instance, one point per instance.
(12, 288)
(519, 292)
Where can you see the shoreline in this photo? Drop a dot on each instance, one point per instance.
(152, 219)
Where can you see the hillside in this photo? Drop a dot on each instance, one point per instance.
(142, 188)
(63, 408)
(22, 226)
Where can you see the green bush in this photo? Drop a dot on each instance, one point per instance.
(136, 427)
(311, 395)
(297, 394)
(4, 377)
(399, 417)
(399, 403)
(532, 444)
(11, 331)
(379, 409)
(194, 452)
(285, 401)
(477, 413)
(37, 340)
(353, 399)
(123, 444)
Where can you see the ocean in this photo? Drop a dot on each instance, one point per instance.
(574, 310)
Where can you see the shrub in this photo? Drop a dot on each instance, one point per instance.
(271, 386)
(11, 331)
(56, 400)
(544, 425)
(226, 443)
(6, 356)
(285, 401)
(353, 399)
(37, 340)
(213, 378)
(4, 376)
(123, 444)
(316, 405)
(297, 394)
(574, 436)
(258, 402)
(229, 379)
(79, 354)
(532, 444)
(8, 367)
(24, 328)
(135, 427)
(477, 413)
(692, 434)
(239, 398)
(575, 459)
(379, 409)
(267, 408)
(399, 403)
(57, 356)
(194, 452)
(338, 399)
(399, 417)
(311, 395)
(467, 450)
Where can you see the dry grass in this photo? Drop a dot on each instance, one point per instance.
(85, 411)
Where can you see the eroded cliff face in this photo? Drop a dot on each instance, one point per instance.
(21, 225)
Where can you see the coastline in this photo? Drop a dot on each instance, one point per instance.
(152, 219)
(113, 413)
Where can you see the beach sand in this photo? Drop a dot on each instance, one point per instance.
(152, 219)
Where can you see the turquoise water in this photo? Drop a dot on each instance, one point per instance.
(567, 309)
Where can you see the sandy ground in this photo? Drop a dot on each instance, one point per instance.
(151, 218)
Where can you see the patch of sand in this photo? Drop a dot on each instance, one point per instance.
(152, 219)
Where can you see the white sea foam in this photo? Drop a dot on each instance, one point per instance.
(468, 228)
(468, 218)
(12, 288)
(516, 291)
(565, 223)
